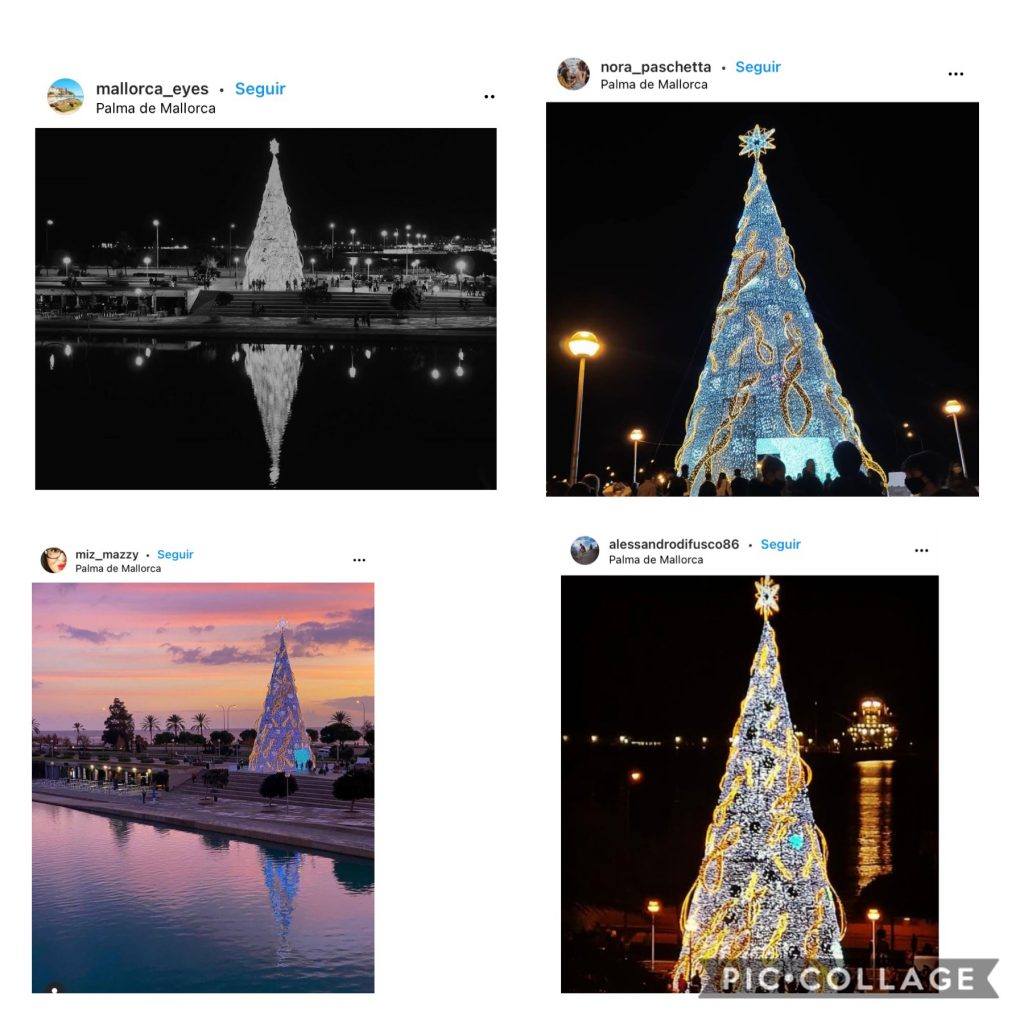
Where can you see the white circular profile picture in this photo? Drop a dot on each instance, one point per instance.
(584, 550)
(65, 96)
(573, 73)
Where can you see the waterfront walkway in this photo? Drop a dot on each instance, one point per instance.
(324, 829)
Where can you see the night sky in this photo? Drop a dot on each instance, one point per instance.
(880, 202)
(96, 183)
(660, 655)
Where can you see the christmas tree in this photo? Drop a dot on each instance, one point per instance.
(273, 371)
(762, 894)
(282, 743)
(273, 257)
(768, 386)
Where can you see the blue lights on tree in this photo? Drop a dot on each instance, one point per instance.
(768, 386)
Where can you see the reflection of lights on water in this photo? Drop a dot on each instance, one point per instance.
(138, 360)
(435, 373)
(149, 351)
(351, 363)
(235, 356)
(875, 814)
(67, 350)
(352, 371)
(367, 353)
(459, 370)
(462, 355)
(330, 348)
(51, 360)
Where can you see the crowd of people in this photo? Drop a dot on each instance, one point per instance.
(926, 474)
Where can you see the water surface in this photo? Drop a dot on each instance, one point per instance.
(124, 906)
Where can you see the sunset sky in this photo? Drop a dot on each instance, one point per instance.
(180, 648)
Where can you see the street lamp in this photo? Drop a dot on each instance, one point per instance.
(582, 345)
(312, 262)
(147, 261)
(352, 261)
(368, 262)
(231, 228)
(954, 408)
(636, 435)
(653, 906)
(384, 239)
(156, 224)
(352, 235)
(873, 916)
(46, 240)
(236, 270)
(331, 226)
(461, 268)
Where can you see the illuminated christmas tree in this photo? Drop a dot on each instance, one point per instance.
(282, 743)
(768, 386)
(762, 895)
(273, 257)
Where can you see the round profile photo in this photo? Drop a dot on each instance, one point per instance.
(573, 73)
(53, 560)
(65, 96)
(585, 550)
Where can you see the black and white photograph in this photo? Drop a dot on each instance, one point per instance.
(258, 308)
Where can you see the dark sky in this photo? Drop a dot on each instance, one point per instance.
(879, 200)
(661, 655)
(96, 183)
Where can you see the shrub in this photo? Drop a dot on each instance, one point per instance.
(277, 785)
(354, 786)
(102, 757)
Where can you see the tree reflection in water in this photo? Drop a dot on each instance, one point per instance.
(273, 371)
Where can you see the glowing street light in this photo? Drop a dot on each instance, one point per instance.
(460, 266)
(636, 435)
(636, 776)
(147, 261)
(582, 345)
(231, 228)
(653, 907)
(156, 224)
(352, 235)
(312, 263)
(236, 269)
(331, 226)
(873, 916)
(352, 261)
(368, 262)
(954, 408)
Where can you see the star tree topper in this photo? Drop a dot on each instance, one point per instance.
(766, 591)
(757, 141)
(274, 146)
(282, 624)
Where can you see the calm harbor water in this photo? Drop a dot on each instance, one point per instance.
(123, 906)
(391, 414)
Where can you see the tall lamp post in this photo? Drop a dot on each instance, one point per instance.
(46, 241)
(636, 435)
(460, 266)
(954, 408)
(231, 228)
(583, 345)
(368, 263)
(156, 224)
(331, 226)
(653, 907)
(873, 916)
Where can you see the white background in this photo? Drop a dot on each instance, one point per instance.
(468, 647)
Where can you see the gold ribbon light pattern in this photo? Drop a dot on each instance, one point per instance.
(762, 894)
(764, 327)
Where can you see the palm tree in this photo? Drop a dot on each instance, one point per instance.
(174, 723)
(78, 727)
(341, 717)
(200, 719)
(149, 723)
(35, 727)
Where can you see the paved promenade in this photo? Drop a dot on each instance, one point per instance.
(323, 830)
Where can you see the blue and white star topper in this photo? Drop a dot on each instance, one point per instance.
(757, 141)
